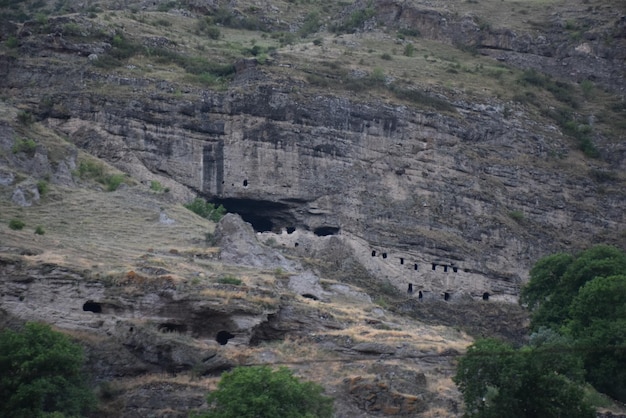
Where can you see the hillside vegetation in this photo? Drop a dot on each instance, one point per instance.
(370, 144)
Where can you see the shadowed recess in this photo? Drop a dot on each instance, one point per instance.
(263, 215)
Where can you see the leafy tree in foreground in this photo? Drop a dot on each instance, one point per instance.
(598, 323)
(498, 381)
(556, 279)
(584, 298)
(41, 374)
(260, 392)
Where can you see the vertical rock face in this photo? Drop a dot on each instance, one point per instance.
(466, 198)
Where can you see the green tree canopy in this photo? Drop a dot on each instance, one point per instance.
(598, 323)
(584, 298)
(41, 374)
(535, 381)
(260, 392)
(555, 281)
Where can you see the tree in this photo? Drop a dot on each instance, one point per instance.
(584, 298)
(598, 323)
(498, 381)
(555, 281)
(260, 392)
(41, 374)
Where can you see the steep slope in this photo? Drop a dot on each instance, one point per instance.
(375, 147)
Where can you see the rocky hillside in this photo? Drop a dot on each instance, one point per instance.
(401, 166)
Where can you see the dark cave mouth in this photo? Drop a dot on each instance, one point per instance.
(269, 216)
(263, 215)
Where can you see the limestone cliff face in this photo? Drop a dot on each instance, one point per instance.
(469, 199)
(458, 201)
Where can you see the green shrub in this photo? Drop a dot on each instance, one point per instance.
(386, 56)
(409, 50)
(24, 145)
(206, 26)
(12, 42)
(516, 215)
(71, 29)
(16, 224)
(408, 32)
(167, 6)
(587, 88)
(579, 131)
(96, 171)
(42, 374)
(206, 210)
(113, 181)
(42, 187)
(310, 25)
(229, 280)
(39, 230)
(25, 118)
(356, 20)
(260, 392)
(91, 169)
(156, 186)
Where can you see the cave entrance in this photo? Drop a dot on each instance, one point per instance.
(373, 253)
(291, 229)
(434, 266)
(420, 295)
(310, 296)
(324, 231)
(401, 260)
(222, 337)
(410, 289)
(263, 215)
(446, 296)
(415, 266)
(486, 296)
(91, 306)
(455, 269)
(445, 269)
(384, 255)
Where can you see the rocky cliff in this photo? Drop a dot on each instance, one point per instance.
(425, 153)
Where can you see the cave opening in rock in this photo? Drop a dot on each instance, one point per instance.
(434, 266)
(310, 296)
(486, 296)
(384, 255)
(245, 183)
(324, 231)
(420, 295)
(445, 269)
(415, 266)
(446, 296)
(401, 260)
(291, 229)
(222, 337)
(373, 253)
(263, 215)
(91, 306)
(410, 289)
(168, 327)
(296, 244)
(455, 269)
